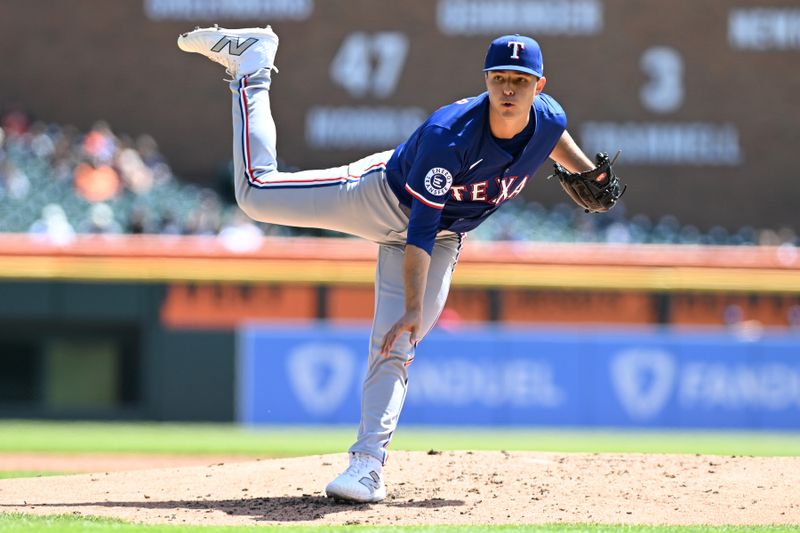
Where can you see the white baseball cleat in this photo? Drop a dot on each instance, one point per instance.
(241, 51)
(362, 482)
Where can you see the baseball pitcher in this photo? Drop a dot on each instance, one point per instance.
(416, 201)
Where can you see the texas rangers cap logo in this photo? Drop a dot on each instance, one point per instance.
(516, 46)
(438, 181)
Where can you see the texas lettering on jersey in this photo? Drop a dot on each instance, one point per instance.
(508, 188)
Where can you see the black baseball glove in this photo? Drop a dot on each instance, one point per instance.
(596, 190)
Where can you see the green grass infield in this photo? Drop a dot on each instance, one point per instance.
(8, 474)
(283, 441)
(74, 524)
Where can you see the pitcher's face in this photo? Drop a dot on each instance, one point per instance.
(511, 93)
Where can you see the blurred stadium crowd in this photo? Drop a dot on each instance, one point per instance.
(58, 181)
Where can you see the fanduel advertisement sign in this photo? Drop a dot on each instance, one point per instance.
(314, 374)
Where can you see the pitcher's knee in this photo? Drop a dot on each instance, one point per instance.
(399, 356)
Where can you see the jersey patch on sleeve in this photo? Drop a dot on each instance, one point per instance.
(438, 181)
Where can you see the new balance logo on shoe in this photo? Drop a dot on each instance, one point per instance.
(372, 482)
(235, 48)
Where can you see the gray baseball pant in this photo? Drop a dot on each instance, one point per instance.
(354, 199)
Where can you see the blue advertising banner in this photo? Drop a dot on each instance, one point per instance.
(499, 376)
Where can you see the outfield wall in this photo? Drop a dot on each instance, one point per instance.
(503, 376)
(144, 326)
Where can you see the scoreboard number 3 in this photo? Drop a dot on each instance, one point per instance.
(663, 92)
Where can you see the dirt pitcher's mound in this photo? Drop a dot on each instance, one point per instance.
(440, 488)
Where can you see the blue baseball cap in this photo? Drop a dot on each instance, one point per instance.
(515, 52)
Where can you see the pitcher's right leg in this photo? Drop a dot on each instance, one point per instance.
(287, 198)
(262, 192)
(351, 199)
